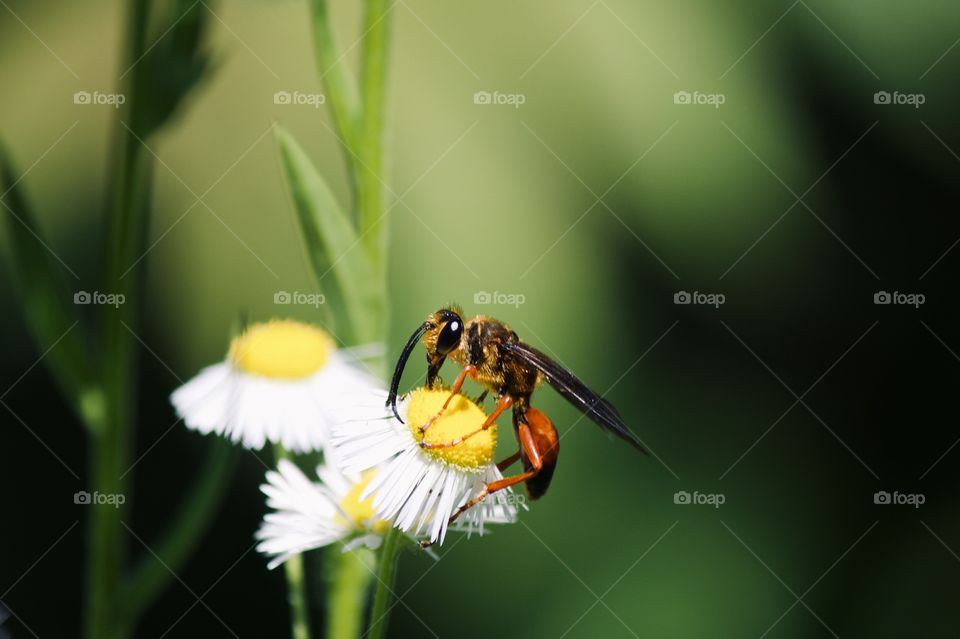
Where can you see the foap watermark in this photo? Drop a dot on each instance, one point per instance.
(698, 98)
(883, 298)
(497, 98)
(499, 298)
(299, 299)
(83, 498)
(298, 98)
(696, 498)
(99, 299)
(896, 498)
(703, 299)
(98, 98)
(503, 498)
(899, 99)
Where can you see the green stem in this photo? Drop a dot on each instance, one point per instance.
(296, 585)
(361, 132)
(297, 596)
(350, 577)
(383, 595)
(341, 92)
(111, 439)
(360, 126)
(370, 175)
(373, 82)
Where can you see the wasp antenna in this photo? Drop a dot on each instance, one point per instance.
(401, 363)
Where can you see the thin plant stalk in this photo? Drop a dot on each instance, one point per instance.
(110, 439)
(350, 576)
(360, 122)
(296, 584)
(297, 596)
(386, 576)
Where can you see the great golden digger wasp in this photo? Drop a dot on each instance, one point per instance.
(490, 353)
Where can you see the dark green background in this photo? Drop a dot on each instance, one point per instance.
(491, 190)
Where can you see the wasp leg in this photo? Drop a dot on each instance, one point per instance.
(468, 370)
(529, 446)
(509, 461)
(482, 396)
(502, 404)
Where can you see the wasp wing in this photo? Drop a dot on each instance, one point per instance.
(574, 391)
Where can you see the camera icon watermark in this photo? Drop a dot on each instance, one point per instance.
(97, 298)
(896, 498)
(496, 98)
(298, 98)
(298, 298)
(84, 498)
(896, 98)
(499, 298)
(883, 298)
(696, 498)
(697, 98)
(715, 300)
(98, 98)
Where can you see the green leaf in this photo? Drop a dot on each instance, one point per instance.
(336, 253)
(47, 305)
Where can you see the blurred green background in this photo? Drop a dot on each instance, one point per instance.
(596, 200)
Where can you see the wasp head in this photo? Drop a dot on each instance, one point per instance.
(442, 334)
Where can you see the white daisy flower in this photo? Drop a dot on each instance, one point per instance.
(419, 488)
(282, 381)
(315, 514)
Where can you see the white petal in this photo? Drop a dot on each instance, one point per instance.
(412, 488)
(253, 410)
(305, 517)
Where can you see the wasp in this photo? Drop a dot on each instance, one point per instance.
(492, 354)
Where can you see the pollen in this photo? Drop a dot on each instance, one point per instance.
(461, 418)
(281, 349)
(360, 514)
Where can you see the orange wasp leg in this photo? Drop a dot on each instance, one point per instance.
(508, 461)
(529, 447)
(468, 371)
(503, 403)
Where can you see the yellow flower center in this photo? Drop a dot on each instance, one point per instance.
(360, 514)
(461, 418)
(282, 349)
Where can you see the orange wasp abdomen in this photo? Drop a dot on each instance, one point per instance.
(548, 445)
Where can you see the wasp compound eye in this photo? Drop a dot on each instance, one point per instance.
(449, 337)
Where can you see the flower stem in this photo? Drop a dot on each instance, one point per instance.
(350, 577)
(383, 596)
(111, 437)
(373, 85)
(297, 596)
(296, 586)
(360, 122)
(337, 82)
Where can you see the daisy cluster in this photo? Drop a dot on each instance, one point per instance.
(286, 383)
